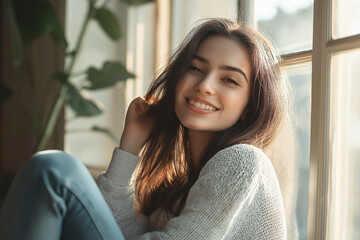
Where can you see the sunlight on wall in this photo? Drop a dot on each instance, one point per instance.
(94, 149)
(140, 50)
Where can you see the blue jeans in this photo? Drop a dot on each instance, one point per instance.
(54, 197)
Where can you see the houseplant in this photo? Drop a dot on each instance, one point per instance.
(30, 20)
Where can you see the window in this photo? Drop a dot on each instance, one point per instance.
(334, 74)
(300, 79)
(288, 23)
(321, 35)
(344, 207)
(346, 18)
(184, 13)
(289, 26)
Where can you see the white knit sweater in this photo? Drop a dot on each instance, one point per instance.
(236, 196)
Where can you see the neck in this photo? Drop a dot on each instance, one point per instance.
(198, 141)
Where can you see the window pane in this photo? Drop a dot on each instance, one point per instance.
(345, 147)
(346, 18)
(300, 78)
(289, 23)
(291, 152)
(184, 13)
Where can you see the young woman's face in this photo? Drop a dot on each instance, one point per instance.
(214, 92)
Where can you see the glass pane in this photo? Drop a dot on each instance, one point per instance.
(300, 78)
(290, 154)
(346, 18)
(184, 13)
(345, 146)
(289, 23)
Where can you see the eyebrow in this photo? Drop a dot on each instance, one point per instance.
(225, 67)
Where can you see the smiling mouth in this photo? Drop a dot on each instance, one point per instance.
(201, 105)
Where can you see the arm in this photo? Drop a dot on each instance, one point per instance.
(115, 185)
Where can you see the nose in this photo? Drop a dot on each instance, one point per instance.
(206, 85)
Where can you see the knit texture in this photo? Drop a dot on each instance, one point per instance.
(236, 196)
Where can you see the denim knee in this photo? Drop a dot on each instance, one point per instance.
(56, 160)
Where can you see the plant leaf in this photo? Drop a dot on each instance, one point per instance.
(110, 74)
(58, 35)
(36, 18)
(61, 76)
(107, 132)
(136, 2)
(108, 22)
(5, 92)
(82, 104)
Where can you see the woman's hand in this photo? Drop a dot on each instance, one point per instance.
(138, 126)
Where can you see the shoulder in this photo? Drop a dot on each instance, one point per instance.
(240, 163)
(241, 156)
(237, 161)
(235, 171)
(241, 151)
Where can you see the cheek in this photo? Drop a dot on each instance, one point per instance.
(180, 87)
(237, 108)
(177, 107)
(179, 92)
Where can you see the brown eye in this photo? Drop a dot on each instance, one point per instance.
(231, 81)
(195, 69)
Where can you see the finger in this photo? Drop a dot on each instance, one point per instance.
(142, 104)
(151, 100)
(140, 100)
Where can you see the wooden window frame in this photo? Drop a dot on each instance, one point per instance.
(324, 46)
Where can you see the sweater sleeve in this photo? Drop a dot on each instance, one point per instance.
(227, 201)
(118, 191)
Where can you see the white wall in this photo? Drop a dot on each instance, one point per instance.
(136, 49)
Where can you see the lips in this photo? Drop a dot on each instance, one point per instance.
(202, 104)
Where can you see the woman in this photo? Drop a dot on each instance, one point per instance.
(201, 173)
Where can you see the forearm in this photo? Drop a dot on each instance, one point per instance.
(118, 191)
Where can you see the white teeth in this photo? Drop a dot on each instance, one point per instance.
(201, 105)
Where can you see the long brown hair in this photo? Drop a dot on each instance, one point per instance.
(166, 172)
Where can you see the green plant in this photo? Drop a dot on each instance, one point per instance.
(28, 20)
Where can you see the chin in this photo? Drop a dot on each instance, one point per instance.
(198, 127)
(193, 126)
